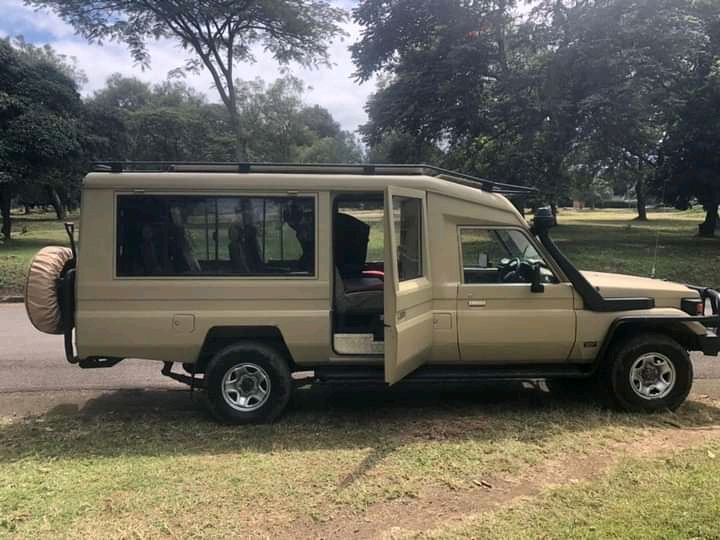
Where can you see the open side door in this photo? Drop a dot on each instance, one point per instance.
(408, 285)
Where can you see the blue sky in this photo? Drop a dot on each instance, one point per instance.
(332, 88)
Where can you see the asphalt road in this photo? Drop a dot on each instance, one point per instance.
(33, 361)
(36, 376)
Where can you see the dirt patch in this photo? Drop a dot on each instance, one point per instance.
(451, 507)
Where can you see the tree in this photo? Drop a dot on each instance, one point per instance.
(437, 59)
(623, 79)
(220, 33)
(689, 163)
(40, 127)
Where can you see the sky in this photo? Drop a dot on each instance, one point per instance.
(332, 88)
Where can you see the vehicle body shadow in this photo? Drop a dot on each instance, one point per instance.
(176, 422)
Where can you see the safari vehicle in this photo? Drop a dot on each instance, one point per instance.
(257, 278)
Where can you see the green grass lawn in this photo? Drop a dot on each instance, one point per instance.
(674, 497)
(119, 473)
(612, 241)
(156, 474)
(29, 234)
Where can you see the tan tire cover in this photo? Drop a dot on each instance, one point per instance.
(41, 302)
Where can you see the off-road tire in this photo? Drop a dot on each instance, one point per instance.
(625, 355)
(41, 299)
(262, 363)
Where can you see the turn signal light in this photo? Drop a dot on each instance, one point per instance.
(693, 306)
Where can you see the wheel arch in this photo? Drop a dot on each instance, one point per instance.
(623, 328)
(219, 337)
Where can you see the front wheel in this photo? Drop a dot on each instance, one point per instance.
(248, 383)
(649, 373)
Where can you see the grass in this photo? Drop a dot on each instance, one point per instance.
(611, 241)
(121, 470)
(29, 234)
(164, 473)
(675, 497)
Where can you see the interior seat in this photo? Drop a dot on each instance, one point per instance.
(359, 300)
(244, 249)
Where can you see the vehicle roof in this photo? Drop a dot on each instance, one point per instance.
(205, 178)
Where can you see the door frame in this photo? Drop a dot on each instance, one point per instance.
(408, 315)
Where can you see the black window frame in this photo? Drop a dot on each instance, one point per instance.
(309, 200)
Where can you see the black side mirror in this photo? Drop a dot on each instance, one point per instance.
(536, 284)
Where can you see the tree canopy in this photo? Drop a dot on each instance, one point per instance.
(574, 97)
(41, 125)
(220, 34)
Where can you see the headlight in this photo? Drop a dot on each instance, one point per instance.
(708, 310)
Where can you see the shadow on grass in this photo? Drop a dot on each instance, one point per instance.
(27, 244)
(171, 422)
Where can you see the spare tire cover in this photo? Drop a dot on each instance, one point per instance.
(41, 301)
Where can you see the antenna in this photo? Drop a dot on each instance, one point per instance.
(657, 235)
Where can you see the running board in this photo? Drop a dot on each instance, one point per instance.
(452, 374)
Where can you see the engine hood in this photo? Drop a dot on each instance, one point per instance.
(621, 285)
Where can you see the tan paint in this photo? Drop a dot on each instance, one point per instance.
(444, 320)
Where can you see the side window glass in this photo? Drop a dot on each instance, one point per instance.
(481, 249)
(408, 225)
(500, 256)
(180, 235)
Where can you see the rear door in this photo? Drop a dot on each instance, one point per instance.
(408, 287)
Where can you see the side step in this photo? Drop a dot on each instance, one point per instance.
(452, 374)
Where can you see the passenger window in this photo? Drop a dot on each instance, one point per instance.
(359, 233)
(178, 235)
(408, 236)
(500, 256)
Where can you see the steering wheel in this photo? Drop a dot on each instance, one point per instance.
(517, 270)
(507, 269)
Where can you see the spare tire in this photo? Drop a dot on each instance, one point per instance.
(41, 297)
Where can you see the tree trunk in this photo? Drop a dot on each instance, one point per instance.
(5, 204)
(640, 192)
(707, 227)
(57, 204)
(240, 139)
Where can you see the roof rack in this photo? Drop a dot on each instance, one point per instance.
(315, 168)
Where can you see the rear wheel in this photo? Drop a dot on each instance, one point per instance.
(248, 383)
(651, 372)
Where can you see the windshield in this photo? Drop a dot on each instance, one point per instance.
(517, 244)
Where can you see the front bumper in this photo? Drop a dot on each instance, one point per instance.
(709, 344)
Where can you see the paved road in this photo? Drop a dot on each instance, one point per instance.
(33, 361)
(37, 376)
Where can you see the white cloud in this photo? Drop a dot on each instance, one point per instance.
(332, 88)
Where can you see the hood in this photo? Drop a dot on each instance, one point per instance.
(621, 285)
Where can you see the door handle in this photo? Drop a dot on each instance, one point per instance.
(476, 303)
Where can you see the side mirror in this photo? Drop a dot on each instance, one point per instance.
(536, 284)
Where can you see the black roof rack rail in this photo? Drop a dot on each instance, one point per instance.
(315, 168)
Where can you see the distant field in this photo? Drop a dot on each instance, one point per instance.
(612, 241)
(603, 240)
(29, 234)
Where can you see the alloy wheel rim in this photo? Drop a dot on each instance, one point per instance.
(652, 376)
(246, 387)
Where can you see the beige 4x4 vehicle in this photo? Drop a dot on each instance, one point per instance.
(249, 275)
